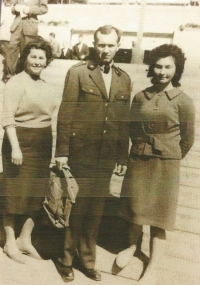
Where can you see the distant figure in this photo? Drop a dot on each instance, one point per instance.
(55, 46)
(194, 3)
(66, 51)
(80, 50)
(23, 30)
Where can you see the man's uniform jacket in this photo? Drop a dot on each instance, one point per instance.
(93, 128)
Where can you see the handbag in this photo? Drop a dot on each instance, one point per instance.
(63, 191)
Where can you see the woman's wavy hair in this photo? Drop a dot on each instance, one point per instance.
(165, 51)
(38, 43)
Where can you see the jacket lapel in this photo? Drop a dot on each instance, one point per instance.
(115, 83)
(96, 76)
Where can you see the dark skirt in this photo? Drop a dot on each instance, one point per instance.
(27, 184)
(150, 191)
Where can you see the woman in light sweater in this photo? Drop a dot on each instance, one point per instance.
(27, 147)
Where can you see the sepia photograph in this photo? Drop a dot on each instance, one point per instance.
(100, 142)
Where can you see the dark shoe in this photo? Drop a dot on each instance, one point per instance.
(66, 272)
(91, 273)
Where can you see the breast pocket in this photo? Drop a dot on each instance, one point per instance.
(122, 96)
(90, 93)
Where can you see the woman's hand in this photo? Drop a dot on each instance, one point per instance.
(17, 156)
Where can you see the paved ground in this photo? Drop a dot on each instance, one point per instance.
(180, 266)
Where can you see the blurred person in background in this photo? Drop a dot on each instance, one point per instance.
(66, 51)
(23, 30)
(55, 46)
(80, 50)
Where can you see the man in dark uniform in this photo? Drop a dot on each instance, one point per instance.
(23, 30)
(93, 138)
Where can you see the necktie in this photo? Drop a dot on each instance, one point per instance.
(106, 68)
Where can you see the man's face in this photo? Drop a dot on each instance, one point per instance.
(106, 46)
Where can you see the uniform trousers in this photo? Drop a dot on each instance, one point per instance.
(17, 43)
(81, 236)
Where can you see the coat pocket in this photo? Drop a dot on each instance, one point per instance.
(122, 97)
(90, 90)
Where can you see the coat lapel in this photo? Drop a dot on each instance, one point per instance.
(98, 80)
(115, 84)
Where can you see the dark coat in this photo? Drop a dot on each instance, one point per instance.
(162, 132)
(67, 55)
(93, 129)
(162, 124)
(84, 51)
(30, 23)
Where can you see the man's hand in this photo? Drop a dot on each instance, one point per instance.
(17, 156)
(120, 169)
(61, 161)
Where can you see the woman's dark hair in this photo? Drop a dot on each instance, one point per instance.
(165, 51)
(37, 44)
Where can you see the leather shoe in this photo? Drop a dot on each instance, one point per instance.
(66, 272)
(91, 273)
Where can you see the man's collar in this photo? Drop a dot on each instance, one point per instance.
(151, 91)
(103, 65)
(93, 65)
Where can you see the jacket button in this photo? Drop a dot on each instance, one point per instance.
(74, 134)
(152, 125)
(106, 104)
(104, 131)
(106, 118)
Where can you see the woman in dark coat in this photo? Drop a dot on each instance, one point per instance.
(27, 147)
(162, 133)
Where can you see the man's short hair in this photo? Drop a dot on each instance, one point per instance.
(53, 35)
(105, 30)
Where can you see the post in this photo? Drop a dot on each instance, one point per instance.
(137, 55)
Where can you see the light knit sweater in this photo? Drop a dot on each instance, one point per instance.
(27, 102)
